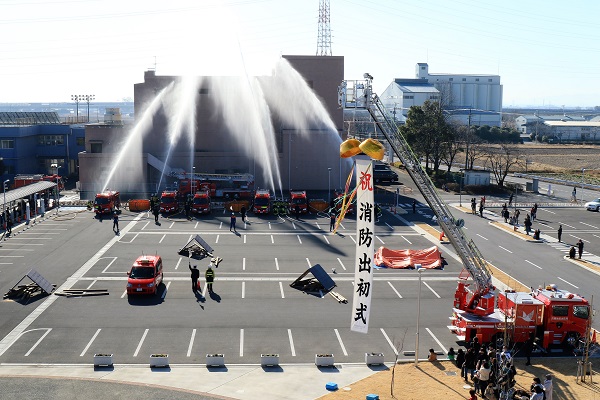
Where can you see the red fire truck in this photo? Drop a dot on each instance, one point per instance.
(262, 202)
(107, 202)
(24, 180)
(219, 185)
(201, 202)
(298, 198)
(169, 202)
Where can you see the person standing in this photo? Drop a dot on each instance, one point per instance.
(195, 275)
(116, 222)
(548, 387)
(414, 206)
(9, 223)
(232, 223)
(243, 213)
(580, 248)
(481, 205)
(473, 206)
(156, 211)
(528, 349)
(510, 199)
(210, 277)
(559, 233)
(331, 221)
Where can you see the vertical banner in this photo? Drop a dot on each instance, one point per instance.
(365, 226)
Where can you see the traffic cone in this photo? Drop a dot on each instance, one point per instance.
(442, 236)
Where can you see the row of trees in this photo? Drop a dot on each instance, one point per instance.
(439, 142)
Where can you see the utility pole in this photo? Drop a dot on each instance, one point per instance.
(468, 137)
(324, 35)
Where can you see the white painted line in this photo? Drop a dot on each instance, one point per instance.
(402, 236)
(12, 256)
(38, 342)
(389, 341)
(243, 290)
(269, 225)
(6, 263)
(432, 291)
(162, 238)
(437, 341)
(178, 262)
(595, 235)
(196, 226)
(546, 225)
(577, 237)
(172, 223)
(308, 261)
(378, 238)
(124, 294)
(527, 261)
(391, 227)
(505, 249)
(242, 342)
(325, 237)
(244, 264)
(90, 343)
(109, 264)
(569, 283)
(92, 284)
(352, 237)
(482, 236)
(189, 352)
(221, 225)
(281, 290)
(276, 264)
(341, 343)
(272, 240)
(318, 226)
(341, 263)
(293, 225)
(300, 240)
(291, 343)
(394, 289)
(166, 290)
(551, 212)
(204, 290)
(245, 239)
(139, 346)
(144, 227)
(131, 241)
(595, 227)
(30, 238)
(16, 250)
(217, 241)
(38, 233)
(562, 223)
(343, 227)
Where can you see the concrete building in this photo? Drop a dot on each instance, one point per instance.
(460, 92)
(306, 150)
(402, 94)
(528, 124)
(572, 131)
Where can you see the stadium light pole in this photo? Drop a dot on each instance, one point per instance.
(88, 98)
(76, 98)
(420, 270)
(329, 187)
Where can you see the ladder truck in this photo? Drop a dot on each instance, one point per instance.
(557, 316)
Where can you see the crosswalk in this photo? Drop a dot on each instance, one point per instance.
(564, 248)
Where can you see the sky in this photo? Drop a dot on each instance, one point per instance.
(547, 53)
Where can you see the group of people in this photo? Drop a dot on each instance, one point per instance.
(481, 206)
(492, 373)
(209, 276)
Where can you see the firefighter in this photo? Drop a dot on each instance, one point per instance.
(156, 211)
(210, 277)
(116, 222)
(195, 276)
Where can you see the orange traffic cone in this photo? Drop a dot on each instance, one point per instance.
(442, 236)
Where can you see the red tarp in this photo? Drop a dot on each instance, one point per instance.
(428, 258)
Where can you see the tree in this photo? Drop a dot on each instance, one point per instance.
(453, 146)
(501, 159)
(476, 150)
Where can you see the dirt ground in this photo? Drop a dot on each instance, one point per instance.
(431, 381)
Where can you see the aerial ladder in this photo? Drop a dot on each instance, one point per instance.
(359, 95)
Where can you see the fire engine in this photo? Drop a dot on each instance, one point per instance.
(201, 202)
(24, 180)
(298, 198)
(219, 185)
(107, 202)
(168, 201)
(262, 202)
(556, 316)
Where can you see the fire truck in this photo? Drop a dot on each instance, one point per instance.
(107, 202)
(220, 185)
(298, 198)
(556, 316)
(169, 202)
(24, 180)
(201, 202)
(262, 202)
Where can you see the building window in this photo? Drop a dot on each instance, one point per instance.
(96, 147)
(406, 96)
(476, 79)
(80, 141)
(451, 79)
(423, 67)
(464, 79)
(51, 140)
(7, 144)
(489, 80)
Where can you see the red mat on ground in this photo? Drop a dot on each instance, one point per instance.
(428, 258)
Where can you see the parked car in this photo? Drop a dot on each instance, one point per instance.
(383, 173)
(593, 205)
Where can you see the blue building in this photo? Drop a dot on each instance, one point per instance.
(30, 142)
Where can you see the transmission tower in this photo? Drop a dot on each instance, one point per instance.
(324, 38)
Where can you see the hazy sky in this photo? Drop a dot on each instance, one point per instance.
(546, 52)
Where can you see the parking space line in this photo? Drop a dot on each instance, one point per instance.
(204, 290)
(308, 261)
(124, 294)
(437, 341)
(325, 237)
(551, 212)
(577, 237)
(389, 341)
(243, 289)
(276, 264)
(394, 289)
(189, 352)
(92, 284)
(483, 237)
(595, 227)
(109, 264)
(162, 238)
(391, 227)
(221, 225)
(30, 238)
(16, 250)
(139, 346)
(505, 249)
(341, 263)
(343, 227)
(378, 238)
(131, 241)
(172, 223)
(39, 233)
(166, 290)
(318, 226)
(352, 237)
(242, 342)
(217, 241)
(402, 236)
(300, 240)
(90, 343)
(196, 226)
(432, 291)
(38, 342)
(272, 240)
(144, 227)
(341, 343)
(292, 348)
(527, 261)
(293, 225)
(269, 225)
(569, 283)
(178, 262)
(281, 289)
(6, 263)
(244, 264)
(572, 227)
(245, 238)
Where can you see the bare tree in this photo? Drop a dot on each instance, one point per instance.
(453, 146)
(501, 159)
(476, 151)
(398, 351)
